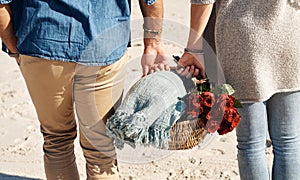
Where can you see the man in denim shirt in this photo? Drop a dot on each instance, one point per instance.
(74, 52)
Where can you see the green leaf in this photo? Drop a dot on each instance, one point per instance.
(203, 87)
(237, 104)
(223, 89)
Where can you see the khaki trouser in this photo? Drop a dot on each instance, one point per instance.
(55, 87)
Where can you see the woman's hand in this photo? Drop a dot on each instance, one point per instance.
(191, 65)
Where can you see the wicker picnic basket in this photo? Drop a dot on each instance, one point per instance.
(186, 134)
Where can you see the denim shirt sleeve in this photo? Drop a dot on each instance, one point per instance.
(150, 2)
(5, 1)
(203, 1)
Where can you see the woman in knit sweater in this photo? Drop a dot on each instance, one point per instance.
(258, 46)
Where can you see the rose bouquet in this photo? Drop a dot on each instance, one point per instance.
(214, 107)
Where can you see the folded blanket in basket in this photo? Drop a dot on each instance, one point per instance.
(148, 111)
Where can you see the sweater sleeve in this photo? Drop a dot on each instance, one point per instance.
(203, 1)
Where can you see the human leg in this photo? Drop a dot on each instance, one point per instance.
(251, 137)
(284, 128)
(50, 86)
(96, 92)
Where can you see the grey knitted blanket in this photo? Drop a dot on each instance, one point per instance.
(148, 111)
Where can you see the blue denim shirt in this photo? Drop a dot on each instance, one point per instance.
(82, 31)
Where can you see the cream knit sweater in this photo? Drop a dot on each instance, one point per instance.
(258, 45)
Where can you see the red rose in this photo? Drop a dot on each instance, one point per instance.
(208, 99)
(191, 109)
(230, 121)
(235, 122)
(231, 115)
(225, 100)
(194, 105)
(228, 115)
(236, 119)
(197, 100)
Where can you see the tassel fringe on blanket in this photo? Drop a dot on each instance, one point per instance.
(149, 110)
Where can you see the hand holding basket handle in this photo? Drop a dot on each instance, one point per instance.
(191, 65)
(199, 76)
(201, 79)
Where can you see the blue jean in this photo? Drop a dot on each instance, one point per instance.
(280, 116)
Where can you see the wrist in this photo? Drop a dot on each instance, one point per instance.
(193, 51)
(195, 41)
(153, 31)
(152, 41)
(152, 34)
(152, 46)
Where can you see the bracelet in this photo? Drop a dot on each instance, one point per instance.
(151, 31)
(15, 55)
(194, 51)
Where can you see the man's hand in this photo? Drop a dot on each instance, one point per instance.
(6, 28)
(153, 58)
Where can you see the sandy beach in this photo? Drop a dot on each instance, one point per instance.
(21, 155)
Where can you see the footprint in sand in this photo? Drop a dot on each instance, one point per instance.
(7, 96)
(217, 151)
